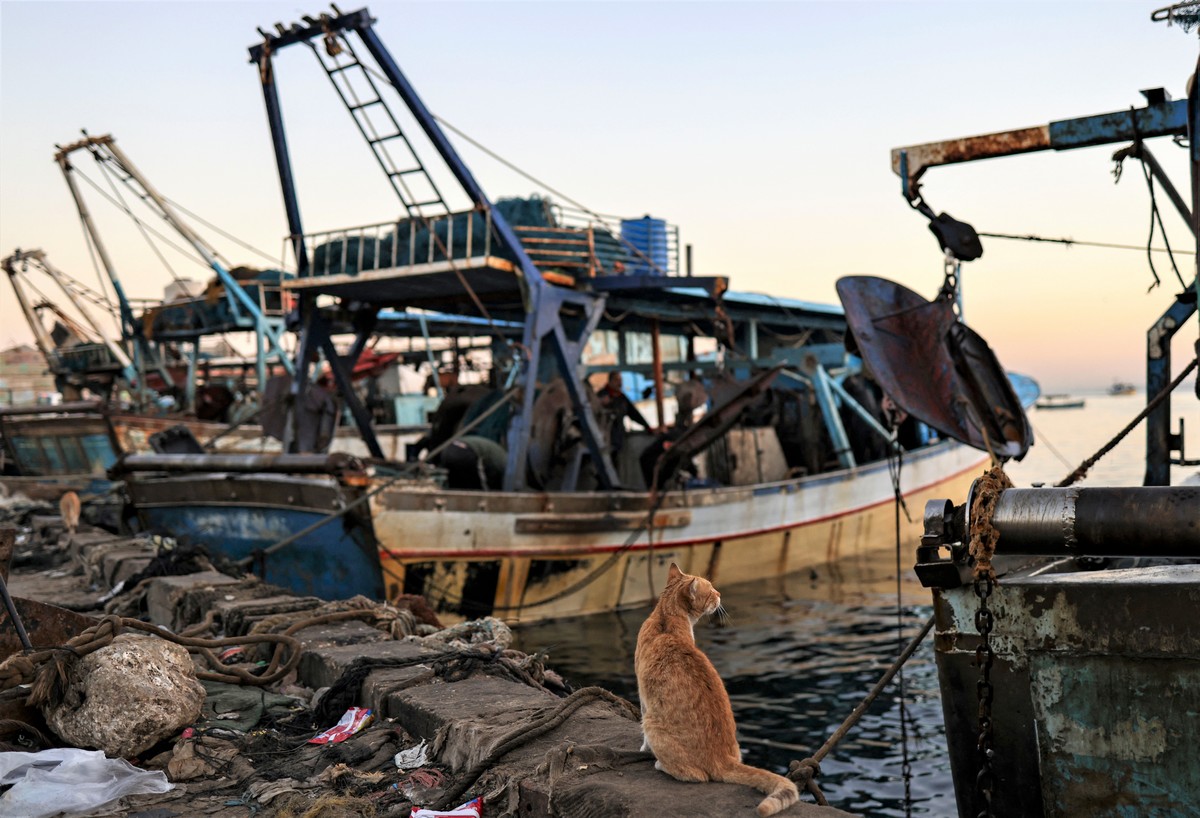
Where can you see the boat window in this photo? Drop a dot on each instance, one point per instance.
(54, 460)
(29, 455)
(639, 348)
(99, 452)
(73, 454)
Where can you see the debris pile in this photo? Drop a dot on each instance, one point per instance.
(196, 692)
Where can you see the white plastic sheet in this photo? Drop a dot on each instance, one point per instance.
(70, 782)
(413, 757)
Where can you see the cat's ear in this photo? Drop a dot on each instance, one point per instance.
(673, 572)
(695, 587)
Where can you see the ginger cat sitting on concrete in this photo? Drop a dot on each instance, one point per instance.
(687, 721)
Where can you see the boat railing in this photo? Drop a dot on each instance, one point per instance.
(577, 243)
(399, 244)
(88, 357)
(654, 251)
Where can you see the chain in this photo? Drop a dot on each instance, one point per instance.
(984, 656)
(895, 462)
(951, 268)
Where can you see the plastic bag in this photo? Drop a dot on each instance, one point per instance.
(69, 781)
(471, 809)
(413, 757)
(353, 720)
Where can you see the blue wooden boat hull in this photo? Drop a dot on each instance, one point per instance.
(238, 516)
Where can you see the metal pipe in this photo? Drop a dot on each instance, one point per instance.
(1141, 521)
(129, 326)
(53, 409)
(14, 617)
(658, 372)
(240, 463)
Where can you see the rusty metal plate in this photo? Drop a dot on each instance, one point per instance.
(47, 626)
(933, 366)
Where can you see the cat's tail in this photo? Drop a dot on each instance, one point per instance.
(781, 792)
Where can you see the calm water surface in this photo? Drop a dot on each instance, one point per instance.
(798, 656)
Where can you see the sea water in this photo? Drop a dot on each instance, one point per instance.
(798, 657)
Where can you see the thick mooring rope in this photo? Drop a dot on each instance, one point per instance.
(45, 670)
(804, 771)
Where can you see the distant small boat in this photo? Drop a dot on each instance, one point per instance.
(1059, 402)
(1121, 388)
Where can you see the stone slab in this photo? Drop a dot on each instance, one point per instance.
(247, 611)
(329, 649)
(120, 564)
(163, 593)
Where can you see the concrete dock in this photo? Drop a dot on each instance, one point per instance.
(464, 700)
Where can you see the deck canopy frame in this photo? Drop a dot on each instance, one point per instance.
(558, 313)
(1161, 117)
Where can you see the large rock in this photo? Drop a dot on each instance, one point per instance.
(128, 696)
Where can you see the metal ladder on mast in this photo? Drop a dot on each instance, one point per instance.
(398, 173)
(545, 303)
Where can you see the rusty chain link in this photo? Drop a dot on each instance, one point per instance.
(984, 657)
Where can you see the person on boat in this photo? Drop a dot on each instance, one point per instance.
(473, 462)
(619, 407)
(448, 417)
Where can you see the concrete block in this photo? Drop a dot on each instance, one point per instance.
(120, 564)
(164, 593)
(587, 767)
(329, 649)
(239, 615)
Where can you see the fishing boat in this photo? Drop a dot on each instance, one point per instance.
(1122, 388)
(51, 449)
(769, 451)
(1071, 682)
(1059, 402)
(152, 374)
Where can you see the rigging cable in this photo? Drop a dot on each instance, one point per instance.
(598, 217)
(1081, 243)
(223, 233)
(108, 159)
(1151, 405)
(143, 228)
(1156, 216)
(100, 277)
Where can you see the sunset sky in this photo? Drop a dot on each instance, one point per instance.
(763, 130)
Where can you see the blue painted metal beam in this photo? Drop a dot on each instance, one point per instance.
(1158, 377)
(341, 368)
(1164, 119)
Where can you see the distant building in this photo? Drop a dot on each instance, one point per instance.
(25, 378)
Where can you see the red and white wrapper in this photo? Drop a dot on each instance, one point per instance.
(471, 809)
(353, 720)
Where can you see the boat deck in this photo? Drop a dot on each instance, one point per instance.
(433, 284)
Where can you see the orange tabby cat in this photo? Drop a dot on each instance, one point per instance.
(686, 718)
(69, 507)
